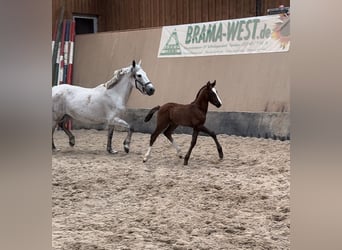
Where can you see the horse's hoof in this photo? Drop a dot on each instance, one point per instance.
(185, 163)
(180, 156)
(72, 142)
(126, 146)
(144, 160)
(111, 151)
(220, 152)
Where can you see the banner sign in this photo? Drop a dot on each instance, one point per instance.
(236, 36)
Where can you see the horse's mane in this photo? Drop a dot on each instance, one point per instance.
(118, 74)
(199, 93)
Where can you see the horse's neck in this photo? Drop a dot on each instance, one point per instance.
(201, 101)
(123, 88)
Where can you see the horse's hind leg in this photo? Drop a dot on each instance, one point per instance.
(168, 133)
(154, 135)
(53, 131)
(213, 135)
(63, 125)
(192, 145)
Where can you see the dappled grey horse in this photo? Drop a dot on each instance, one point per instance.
(101, 104)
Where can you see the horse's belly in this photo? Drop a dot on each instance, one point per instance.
(84, 115)
(190, 123)
(186, 116)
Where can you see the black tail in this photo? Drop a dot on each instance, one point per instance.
(151, 112)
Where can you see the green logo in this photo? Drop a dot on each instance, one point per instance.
(172, 45)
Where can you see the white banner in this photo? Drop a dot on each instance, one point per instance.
(237, 36)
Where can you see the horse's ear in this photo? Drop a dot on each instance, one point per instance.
(133, 64)
(208, 84)
(139, 63)
(214, 83)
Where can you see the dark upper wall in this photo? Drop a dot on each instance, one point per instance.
(136, 14)
(86, 7)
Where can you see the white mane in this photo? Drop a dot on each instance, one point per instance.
(118, 74)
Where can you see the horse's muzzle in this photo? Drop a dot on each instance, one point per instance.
(218, 104)
(149, 89)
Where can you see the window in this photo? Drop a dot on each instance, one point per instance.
(85, 24)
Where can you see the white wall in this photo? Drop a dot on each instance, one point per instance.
(246, 83)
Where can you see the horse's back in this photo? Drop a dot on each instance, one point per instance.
(69, 92)
(172, 105)
(67, 88)
(62, 90)
(168, 108)
(183, 114)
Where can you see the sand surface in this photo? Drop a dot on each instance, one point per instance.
(102, 201)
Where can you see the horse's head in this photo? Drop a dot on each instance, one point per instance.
(142, 83)
(213, 95)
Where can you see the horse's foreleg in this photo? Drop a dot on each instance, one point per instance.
(213, 135)
(109, 140)
(192, 145)
(127, 141)
(119, 122)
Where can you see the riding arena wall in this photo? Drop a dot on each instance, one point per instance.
(254, 88)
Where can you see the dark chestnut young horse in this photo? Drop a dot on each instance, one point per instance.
(193, 115)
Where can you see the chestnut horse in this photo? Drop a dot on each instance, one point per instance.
(171, 115)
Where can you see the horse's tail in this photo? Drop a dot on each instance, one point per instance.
(151, 112)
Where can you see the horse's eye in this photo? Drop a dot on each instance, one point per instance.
(138, 75)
